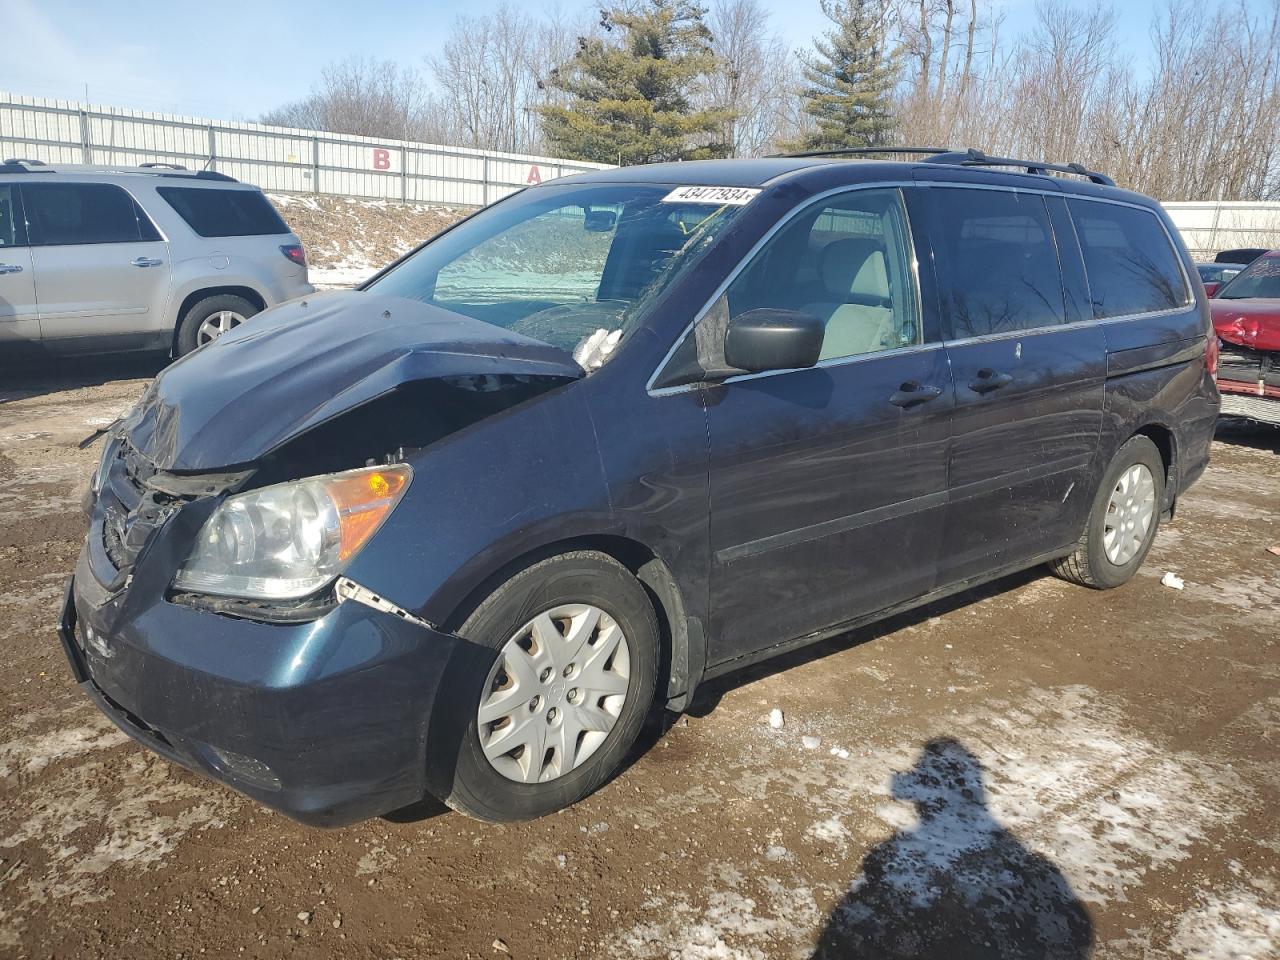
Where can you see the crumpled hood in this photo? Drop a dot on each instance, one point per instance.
(295, 366)
(1249, 323)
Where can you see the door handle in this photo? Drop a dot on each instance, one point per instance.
(989, 380)
(10, 268)
(147, 262)
(912, 393)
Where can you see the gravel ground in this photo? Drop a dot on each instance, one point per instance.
(1031, 770)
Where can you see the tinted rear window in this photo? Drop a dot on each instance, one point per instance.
(72, 213)
(224, 213)
(1131, 264)
(1002, 261)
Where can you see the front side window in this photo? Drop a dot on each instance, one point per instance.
(1260, 279)
(71, 213)
(846, 260)
(12, 230)
(1001, 259)
(558, 263)
(216, 212)
(1131, 265)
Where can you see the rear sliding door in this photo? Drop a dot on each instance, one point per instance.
(1029, 364)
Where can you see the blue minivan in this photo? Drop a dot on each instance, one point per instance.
(456, 533)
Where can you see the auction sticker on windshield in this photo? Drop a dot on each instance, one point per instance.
(732, 196)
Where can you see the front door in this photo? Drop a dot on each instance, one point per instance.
(828, 485)
(101, 266)
(18, 312)
(1029, 366)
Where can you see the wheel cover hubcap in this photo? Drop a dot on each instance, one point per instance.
(554, 694)
(216, 324)
(1130, 512)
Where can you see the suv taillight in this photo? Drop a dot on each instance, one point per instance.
(295, 253)
(1212, 348)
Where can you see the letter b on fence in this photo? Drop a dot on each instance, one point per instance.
(381, 159)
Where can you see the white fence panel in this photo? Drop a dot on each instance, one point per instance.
(279, 159)
(1210, 226)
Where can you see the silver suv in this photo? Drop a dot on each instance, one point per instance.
(137, 258)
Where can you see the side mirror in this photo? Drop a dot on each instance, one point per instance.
(1211, 287)
(770, 339)
(599, 221)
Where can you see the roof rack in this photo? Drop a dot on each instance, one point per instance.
(864, 151)
(155, 169)
(963, 158)
(976, 158)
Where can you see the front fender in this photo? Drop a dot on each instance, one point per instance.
(481, 497)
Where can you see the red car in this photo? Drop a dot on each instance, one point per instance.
(1246, 316)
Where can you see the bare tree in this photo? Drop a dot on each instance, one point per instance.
(952, 70)
(1219, 76)
(1061, 82)
(1201, 122)
(756, 80)
(490, 75)
(373, 98)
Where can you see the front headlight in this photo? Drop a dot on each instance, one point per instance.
(104, 466)
(287, 541)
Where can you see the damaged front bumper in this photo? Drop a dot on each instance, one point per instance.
(330, 713)
(330, 721)
(1249, 381)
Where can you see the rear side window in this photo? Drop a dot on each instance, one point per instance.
(1131, 264)
(72, 213)
(12, 230)
(1000, 256)
(224, 213)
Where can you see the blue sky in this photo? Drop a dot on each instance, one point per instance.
(236, 59)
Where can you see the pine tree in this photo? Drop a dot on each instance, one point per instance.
(631, 90)
(849, 81)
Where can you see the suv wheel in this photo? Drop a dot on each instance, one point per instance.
(210, 318)
(1123, 521)
(566, 697)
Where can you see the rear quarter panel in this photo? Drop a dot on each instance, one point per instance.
(1157, 376)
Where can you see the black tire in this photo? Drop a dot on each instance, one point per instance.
(201, 310)
(582, 576)
(1088, 564)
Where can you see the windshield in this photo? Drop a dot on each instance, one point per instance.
(1217, 272)
(560, 263)
(1261, 279)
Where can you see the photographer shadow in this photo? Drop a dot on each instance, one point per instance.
(957, 884)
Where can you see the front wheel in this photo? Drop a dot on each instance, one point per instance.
(576, 643)
(1123, 520)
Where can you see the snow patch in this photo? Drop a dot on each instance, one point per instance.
(340, 277)
(1235, 925)
(732, 925)
(1021, 815)
(95, 819)
(30, 754)
(829, 830)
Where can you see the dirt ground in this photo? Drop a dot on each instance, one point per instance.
(348, 240)
(1030, 764)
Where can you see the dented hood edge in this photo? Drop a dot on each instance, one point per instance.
(293, 368)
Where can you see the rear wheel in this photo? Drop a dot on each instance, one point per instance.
(1122, 522)
(576, 643)
(210, 318)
